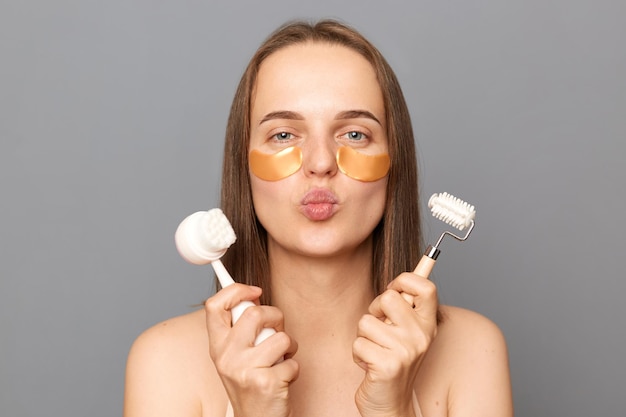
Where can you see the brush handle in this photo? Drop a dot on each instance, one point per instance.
(222, 274)
(225, 280)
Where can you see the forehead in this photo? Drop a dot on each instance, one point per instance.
(316, 75)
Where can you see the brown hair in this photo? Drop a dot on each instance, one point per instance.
(397, 238)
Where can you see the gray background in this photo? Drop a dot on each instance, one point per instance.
(112, 115)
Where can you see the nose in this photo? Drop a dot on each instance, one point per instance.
(319, 157)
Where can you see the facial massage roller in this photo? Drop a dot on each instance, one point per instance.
(450, 210)
(203, 238)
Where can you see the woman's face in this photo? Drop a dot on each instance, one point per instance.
(318, 98)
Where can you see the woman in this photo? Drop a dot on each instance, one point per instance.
(320, 185)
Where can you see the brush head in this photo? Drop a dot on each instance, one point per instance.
(204, 237)
(452, 210)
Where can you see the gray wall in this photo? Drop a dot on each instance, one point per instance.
(112, 115)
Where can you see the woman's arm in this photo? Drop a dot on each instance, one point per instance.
(158, 382)
(465, 357)
(256, 377)
(172, 371)
(476, 353)
(391, 344)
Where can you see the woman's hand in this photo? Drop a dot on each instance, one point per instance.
(255, 378)
(391, 343)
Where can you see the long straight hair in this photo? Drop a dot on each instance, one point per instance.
(397, 239)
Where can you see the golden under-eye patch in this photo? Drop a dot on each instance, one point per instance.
(362, 167)
(276, 166)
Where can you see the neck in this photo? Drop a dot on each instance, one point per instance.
(322, 297)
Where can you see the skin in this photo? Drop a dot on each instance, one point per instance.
(338, 349)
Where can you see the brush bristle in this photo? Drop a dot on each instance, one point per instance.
(219, 233)
(452, 210)
(204, 236)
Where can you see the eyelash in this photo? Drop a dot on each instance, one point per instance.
(348, 135)
(287, 136)
(278, 137)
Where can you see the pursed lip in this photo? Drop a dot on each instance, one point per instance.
(319, 196)
(318, 204)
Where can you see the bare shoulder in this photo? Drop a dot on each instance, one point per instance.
(470, 341)
(172, 334)
(164, 346)
(169, 370)
(471, 351)
(469, 328)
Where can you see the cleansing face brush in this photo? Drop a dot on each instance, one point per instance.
(203, 238)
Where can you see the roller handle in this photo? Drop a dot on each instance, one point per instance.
(425, 266)
(423, 269)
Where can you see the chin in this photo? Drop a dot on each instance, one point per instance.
(317, 245)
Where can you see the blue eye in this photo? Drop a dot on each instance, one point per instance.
(354, 135)
(283, 136)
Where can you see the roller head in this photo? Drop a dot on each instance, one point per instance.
(204, 237)
(452, 210)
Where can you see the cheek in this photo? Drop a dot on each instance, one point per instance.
(262, 192)
(269, 198)
(370, 199)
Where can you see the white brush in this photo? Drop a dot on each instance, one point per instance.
(202, 238)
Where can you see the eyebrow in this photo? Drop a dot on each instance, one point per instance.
(283, 114)
(344, 115)
(357, 114)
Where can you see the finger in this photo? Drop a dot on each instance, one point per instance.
(217, 307)
(376, 307)
(390, 307)
(408, 282)
(254, 319)
(287, 370)
(423, 291)
(236, 293)
(292, 349)
(230, 296)
(374, 330)
(366, 353)
(274, 349)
